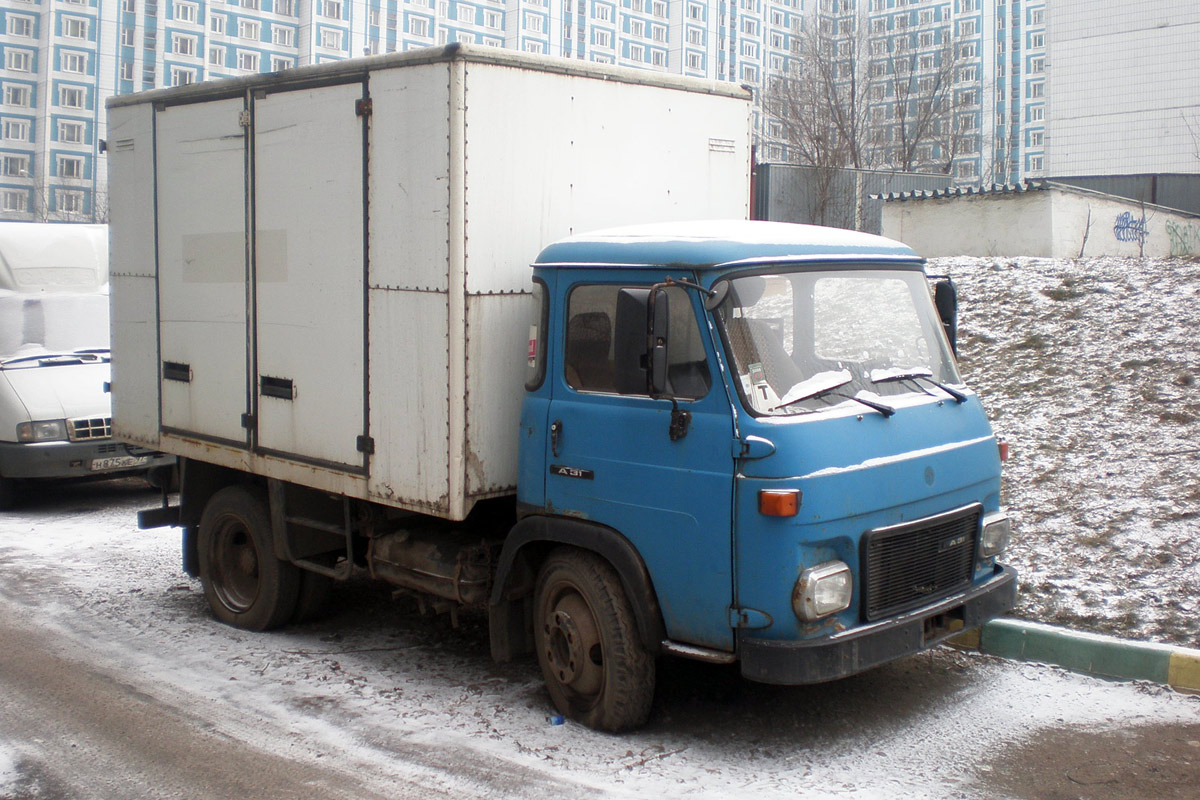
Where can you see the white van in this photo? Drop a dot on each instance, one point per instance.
(55, 410)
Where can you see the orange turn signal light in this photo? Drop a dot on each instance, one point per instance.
(779, 502)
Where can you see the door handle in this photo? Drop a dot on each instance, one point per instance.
(555, 434)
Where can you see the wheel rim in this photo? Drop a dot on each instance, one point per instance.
(235, 566)
(573, 650)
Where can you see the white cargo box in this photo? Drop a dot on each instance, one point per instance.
(322, 275)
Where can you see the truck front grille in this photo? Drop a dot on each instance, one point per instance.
(915, 563)
(86, 429)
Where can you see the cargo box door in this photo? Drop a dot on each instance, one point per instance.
(200, 181)
(309, 275)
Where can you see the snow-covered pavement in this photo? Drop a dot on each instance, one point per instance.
(399, 700)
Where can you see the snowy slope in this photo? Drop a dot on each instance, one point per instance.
(1090, 368)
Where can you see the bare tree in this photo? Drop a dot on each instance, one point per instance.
(871, 100)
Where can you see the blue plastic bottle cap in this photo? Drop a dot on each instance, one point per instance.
(557, 719)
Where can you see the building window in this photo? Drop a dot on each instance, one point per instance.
(968, 74)
(70, 167)
(183, 45)
(749, 49)
(695, 60)
(534, 47)
(966, 169)
(252, 5)
(331, 39)
(749, 73)
(1037, 65)
(465, 13)
(695, 36)
(658, 58)
(1037, 113)
(16, 201)
(216, 56)
(1036, 17)
(20, 26)
(695, 11)
(249, 29)
(283, 35)
(418, 26)
(1036, 90)
(75, 28)
(602, 12)
(533, 22)
(185, 12)
(1036, 138)
(1037, 40)
(637, 28)
(331, 9)
(182, 76)
(70, 132)
(18, 60)
(602, 38)
(1035, 163)
(70, 202)
(280, 63)
(967, 28)
(285, 8)
(16, 166)
(16, 95)
(126, 70)
(128, 37)
(637, 53)
(216, 23)
(492, 19)
(129, 6)
(74, 62)
(71, 96)
(659, 9)
(247, 60)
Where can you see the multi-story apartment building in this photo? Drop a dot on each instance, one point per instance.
(62, 58)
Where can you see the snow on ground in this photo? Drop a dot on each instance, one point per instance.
(1091, 368)
(377, 686)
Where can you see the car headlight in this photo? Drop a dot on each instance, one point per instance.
(997, 528)
(46, 430)
(823, 590)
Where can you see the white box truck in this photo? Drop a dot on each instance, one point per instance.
(55, 412)
(323, 304)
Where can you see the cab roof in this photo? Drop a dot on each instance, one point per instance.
(714, 244)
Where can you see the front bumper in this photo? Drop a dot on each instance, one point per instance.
(76, 459)
(842, 654)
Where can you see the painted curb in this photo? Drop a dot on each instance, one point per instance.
(1087, 653)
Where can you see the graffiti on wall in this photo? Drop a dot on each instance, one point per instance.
(1129, 228)
(1184, 236)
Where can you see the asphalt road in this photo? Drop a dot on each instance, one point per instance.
(115, 684)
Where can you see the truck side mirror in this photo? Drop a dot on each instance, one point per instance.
(945, 299)
(631, 370)
(657, 344)
(640, 342)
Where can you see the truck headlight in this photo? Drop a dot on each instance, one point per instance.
(997, 528)
(823, 590)
(46, 430)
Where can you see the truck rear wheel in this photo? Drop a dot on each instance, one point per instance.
(245, 584)
(595, 666)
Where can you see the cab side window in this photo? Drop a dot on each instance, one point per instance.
(590, 353)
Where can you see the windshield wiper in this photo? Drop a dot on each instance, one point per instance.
(913, 374)
(50, 359)
(815, 386)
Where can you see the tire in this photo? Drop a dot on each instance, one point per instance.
(595, 666)
(314, 591)
(245, 584)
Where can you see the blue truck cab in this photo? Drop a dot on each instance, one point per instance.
(757, 437)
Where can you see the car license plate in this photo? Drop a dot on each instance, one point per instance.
(119, 462)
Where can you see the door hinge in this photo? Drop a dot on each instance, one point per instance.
(365, 444)
(244, 118)
(363, 107)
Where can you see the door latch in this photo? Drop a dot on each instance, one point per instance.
(555, 434)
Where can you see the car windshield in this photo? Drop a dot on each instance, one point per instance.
(805, 341)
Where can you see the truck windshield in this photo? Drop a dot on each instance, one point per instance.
(807, 341)
(52, 324)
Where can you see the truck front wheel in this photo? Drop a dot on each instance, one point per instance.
(596, 668)
(245, 584)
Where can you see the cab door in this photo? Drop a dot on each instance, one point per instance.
(612, 459)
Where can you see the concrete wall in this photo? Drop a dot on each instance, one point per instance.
(1121, 87)
(1050, 223)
